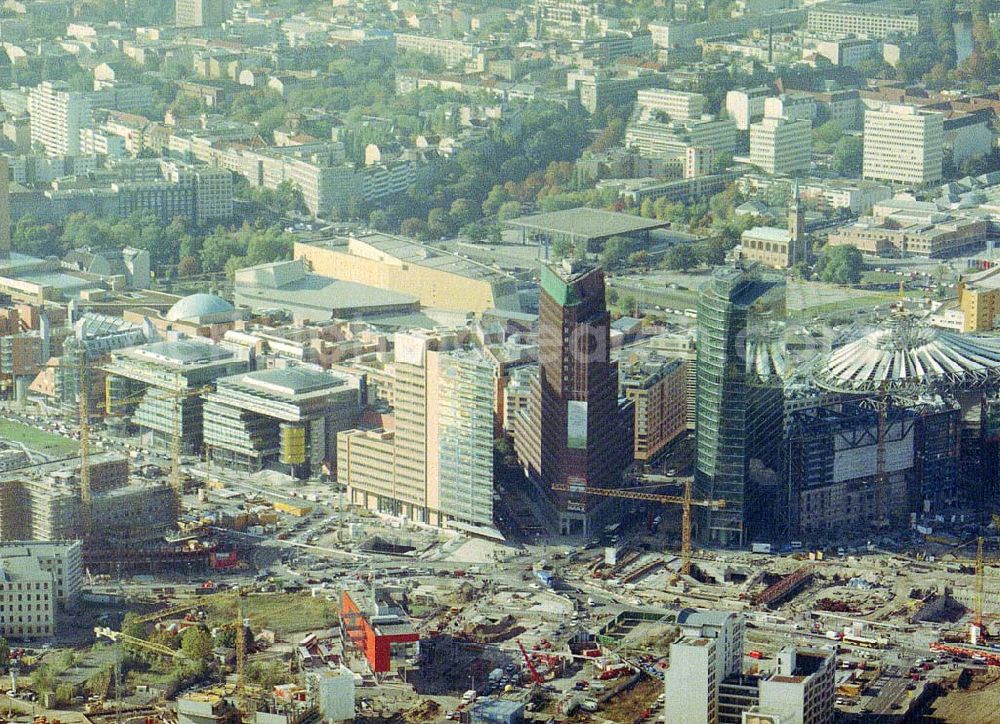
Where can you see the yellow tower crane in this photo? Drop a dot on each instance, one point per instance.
(176, 476)
(119, 637)
(979, 587)
(686, 501)
(243, 701)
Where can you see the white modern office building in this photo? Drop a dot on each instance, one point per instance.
(903, 144)
(781, 146)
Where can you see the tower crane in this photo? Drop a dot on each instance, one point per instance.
(86, 495)
(243, 701)
(974, 647)
(119, 637)
(686, 501)
(980, 587)
(176, 478)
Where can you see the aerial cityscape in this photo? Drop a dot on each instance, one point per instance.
(500, 361)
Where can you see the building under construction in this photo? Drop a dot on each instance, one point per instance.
(909, 433)
(157, 387)
(45, 502)
(832, 456)
(97, 336)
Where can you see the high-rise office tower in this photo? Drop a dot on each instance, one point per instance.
(741, 358)
(436, 465)
(574, 431)
(199, 13)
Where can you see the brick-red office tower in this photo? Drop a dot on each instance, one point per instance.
(574, 431)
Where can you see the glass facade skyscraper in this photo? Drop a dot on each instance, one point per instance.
(740, 363)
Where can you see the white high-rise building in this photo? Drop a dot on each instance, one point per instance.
(710, 649)
(802, 688)
(903, 144)
(692, 682)
(679, 105)
(781, 146)
(57, 116)
(745, 105)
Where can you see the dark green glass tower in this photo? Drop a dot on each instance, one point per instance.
(741, 357)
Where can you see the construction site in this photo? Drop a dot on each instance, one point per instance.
(564, 633)
(225, 595)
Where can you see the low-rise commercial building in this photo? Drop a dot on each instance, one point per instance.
(380, 630)
(437, 278)
(290, 287)
(943, 236)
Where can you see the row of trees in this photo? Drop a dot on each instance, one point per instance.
(191, 251)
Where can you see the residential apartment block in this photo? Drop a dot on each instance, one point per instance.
(871, 20)
(452, 52)
(57, 116)
(678, 105)
(979, 300)
(59, 558)
(27, 599)
(199, 13)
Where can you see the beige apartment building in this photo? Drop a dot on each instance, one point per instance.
(979, 300)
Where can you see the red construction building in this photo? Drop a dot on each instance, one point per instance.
(382, 633)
